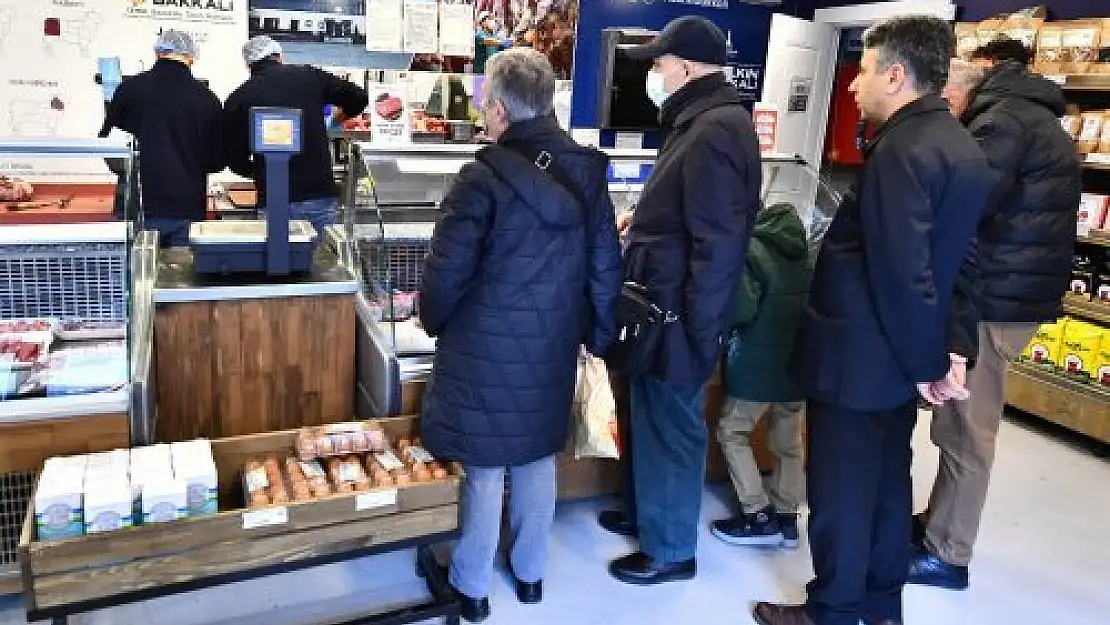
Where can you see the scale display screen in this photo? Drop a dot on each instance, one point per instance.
(275, 130)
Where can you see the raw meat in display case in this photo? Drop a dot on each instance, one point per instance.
(15, 190)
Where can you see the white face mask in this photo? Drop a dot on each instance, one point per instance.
(656, 91)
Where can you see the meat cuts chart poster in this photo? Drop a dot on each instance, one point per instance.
(49, 55)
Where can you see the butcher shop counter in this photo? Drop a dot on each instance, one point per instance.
(247, 355)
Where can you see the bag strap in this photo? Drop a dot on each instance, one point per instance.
(543, 161)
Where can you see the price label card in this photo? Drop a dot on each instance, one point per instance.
(376, 499)
(265, 518)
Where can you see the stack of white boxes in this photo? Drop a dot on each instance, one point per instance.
(112, 490)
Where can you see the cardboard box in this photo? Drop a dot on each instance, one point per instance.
(59, 511)
(1044, 348)
(163, 501)
(193, 465)
(108, 504)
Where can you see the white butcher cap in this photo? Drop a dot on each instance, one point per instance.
(259, 48)
(175, 42)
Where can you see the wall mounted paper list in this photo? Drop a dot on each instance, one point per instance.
(383, 28)
(456, 33)
(422, 26)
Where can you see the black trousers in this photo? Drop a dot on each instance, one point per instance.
(627, 489)
(860, 498)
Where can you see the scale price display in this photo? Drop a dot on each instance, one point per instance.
(275, 130)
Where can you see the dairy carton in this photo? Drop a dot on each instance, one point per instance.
(108, 505)
(193, 464)
(163, 500)
(59, 508)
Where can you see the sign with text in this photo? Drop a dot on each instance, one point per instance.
(390, 114)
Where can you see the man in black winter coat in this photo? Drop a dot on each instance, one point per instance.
(687, 243)
(176, 120)
(1025, 239)
(313, 194)
(524, 269)
(875, 334)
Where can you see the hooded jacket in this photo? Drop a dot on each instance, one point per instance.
(520, 275)
(1026, 232)
(770, 305)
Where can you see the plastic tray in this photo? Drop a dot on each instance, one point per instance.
(226, 232)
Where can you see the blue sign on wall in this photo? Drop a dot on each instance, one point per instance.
(747, 25)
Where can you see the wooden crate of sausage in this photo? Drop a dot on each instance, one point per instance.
(96, 566)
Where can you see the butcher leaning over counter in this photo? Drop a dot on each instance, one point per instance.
(176, 120)
(313, 193)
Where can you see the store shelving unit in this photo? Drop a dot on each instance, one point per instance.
(1080, 406)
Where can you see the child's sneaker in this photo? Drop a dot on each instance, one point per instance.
(758, 529)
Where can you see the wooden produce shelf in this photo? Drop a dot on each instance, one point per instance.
(1096, 237)
(1084, 408)
(1091, 310)
(1083, 82)
(1096, 166)
(159, 559)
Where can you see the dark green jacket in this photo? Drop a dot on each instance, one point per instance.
(769, 307)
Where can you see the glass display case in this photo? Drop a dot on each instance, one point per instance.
(392, 196)
(67, 285)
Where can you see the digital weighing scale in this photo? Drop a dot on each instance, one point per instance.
(275, 246)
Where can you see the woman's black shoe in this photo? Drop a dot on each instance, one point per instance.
(527, 592)
(472, 610)
(617, 522)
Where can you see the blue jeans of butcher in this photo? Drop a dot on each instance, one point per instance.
(531, 513)
(669, 439)
(320, 212)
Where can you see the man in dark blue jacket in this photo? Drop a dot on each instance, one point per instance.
(686, 243)
(875, 335)
(524, 269)
(176, 120)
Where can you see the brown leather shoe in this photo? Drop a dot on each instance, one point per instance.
(774, 614)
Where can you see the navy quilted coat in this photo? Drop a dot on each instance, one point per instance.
(520, 275)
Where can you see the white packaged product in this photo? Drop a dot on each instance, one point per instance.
(193, 464)
(59, 508)
(108, 505)
(163, 501)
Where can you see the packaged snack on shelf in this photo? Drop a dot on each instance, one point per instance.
(1044, 348)
(967, 39)
(1080, 45)
(1102, 374)
(1072, 124)
(1050, 49)
(1023, 28)
(1090, 132)
(1082, 276)
(1092, 213)
(989, 30)
(1103, 64)
(1080, 349)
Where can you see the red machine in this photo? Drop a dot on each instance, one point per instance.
(843, 144)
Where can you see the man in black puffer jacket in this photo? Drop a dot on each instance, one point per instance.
(524, 269)
(1025, 240)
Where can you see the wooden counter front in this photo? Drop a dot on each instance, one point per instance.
(25, 445)
(228, 368)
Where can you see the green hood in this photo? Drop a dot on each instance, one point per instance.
(778, 226)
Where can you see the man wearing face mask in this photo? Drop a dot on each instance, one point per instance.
(686, 244)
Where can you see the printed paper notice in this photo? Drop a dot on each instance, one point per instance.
(422, 26)
(376, 499)
(383, 29)
(265, 517)
(456, 33)
(390, 114)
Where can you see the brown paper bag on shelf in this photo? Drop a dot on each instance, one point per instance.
(1023, 29)
(967, 40)
(1072, 124)
(1090, 132)
(1102, 66)
(989, 30)
(1050, 52)
(1080, 45)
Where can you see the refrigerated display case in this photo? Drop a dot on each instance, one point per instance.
(391, 203)
(75, 313)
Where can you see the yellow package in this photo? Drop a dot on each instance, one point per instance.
(1102, 375)
(1044, 348)
(1079, 351)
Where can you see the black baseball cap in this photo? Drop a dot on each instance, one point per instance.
(691, 37)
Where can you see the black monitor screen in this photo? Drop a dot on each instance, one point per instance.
(629, 106)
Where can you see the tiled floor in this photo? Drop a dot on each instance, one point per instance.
(1044, 559)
